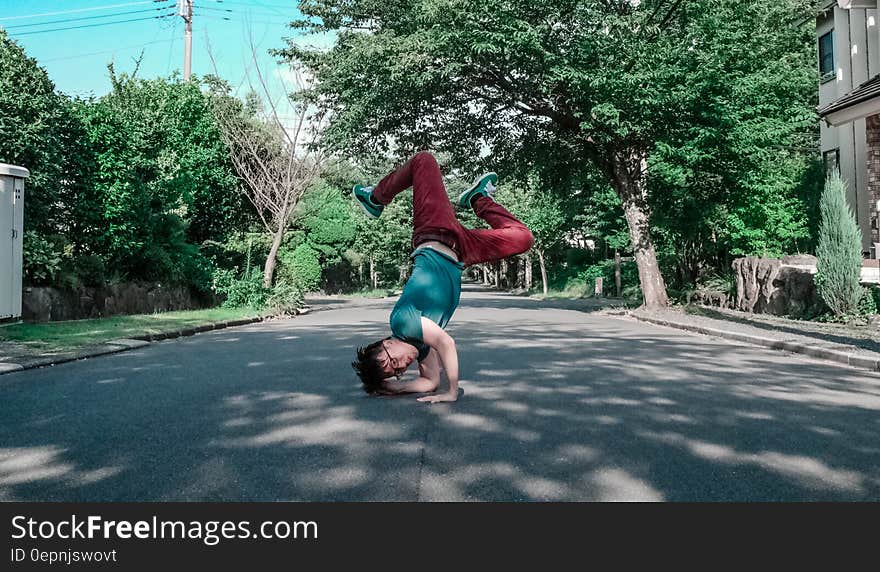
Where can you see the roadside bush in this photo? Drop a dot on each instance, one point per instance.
(41, 259)
(301, 267)
(839, 251)
(196, 271)
(90, 270)
(604, 270)
(715, 290)
(242, 291)
(632, 292)
(576, 288)
(629, 278)
(867, 304)
(285, 298)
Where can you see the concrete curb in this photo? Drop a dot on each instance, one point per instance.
(845, 358)
(124, 344)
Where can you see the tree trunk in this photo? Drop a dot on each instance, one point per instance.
(630, 171)
(543, 270)
(617, 284)
(497, 275)
(521, 272)
(361, 273)
(401, 278)
(374, 277)
(528, 264)
(485, 268)
(269, 268)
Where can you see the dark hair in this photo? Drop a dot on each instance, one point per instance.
(368, 369)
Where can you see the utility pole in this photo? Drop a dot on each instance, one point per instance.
(185, 11)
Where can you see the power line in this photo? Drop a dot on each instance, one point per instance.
(68, 20)
(237, 13)
(258, 4)
(104, 7)
(105, 51)
(95, 25)
(211, 8)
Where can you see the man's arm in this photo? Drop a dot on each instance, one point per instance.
(439, 340)
(429, 377)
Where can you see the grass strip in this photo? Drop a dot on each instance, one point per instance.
(78, 333)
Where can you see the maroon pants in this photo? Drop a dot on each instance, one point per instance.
(434, 217)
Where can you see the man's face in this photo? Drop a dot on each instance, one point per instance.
(393, 359)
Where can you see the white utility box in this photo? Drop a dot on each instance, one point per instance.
(11, 235)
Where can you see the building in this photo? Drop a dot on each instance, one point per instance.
(848, 33)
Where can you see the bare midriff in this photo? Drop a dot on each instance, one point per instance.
(439, 247)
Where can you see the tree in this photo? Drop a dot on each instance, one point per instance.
(33, 120)
(276, 164)
(159, 173)
(737, 176)
(839, 251)
(329, 228)
(540, 211)
(386, 242)
(535, 82)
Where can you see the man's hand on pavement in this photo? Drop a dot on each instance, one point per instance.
(439, 398)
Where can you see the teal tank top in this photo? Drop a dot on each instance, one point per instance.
(432, 291)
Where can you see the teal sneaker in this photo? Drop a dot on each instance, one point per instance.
(485, 186)
(364, 197)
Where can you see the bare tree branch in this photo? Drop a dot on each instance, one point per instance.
(274, 165)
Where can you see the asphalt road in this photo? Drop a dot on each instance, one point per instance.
(559, 405)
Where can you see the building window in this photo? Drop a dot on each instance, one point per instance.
(826, 56)
(831, 159)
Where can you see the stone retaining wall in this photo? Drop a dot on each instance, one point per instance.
(46, 304)
(776, 286)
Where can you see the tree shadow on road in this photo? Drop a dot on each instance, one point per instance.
(559, 406)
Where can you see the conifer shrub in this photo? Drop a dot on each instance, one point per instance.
(839, 251)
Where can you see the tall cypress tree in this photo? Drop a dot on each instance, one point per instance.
(839, 251)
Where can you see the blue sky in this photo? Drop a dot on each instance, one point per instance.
(76, 58)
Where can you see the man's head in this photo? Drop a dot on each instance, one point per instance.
(389, 357)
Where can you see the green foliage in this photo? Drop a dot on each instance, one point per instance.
(867, 303)
(554, 91)
(712, 290)
(602, 270)
(584, 282)
(839, 251)
(285, 298)
(246, 290)
(540, 211)
(723, 283)
(243, 290)
(237, 249)
(81, 270)
(302, 268)
(162, 175)
(570, 87)
(737, 176)
(33, 121)
(602, 218)
(130, 181)
(41, 259)
(327, 224)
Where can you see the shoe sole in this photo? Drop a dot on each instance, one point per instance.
(474, 186)
(361, 203)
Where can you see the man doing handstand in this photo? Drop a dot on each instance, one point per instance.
(442, 249)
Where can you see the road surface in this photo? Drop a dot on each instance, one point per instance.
(559, 405)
